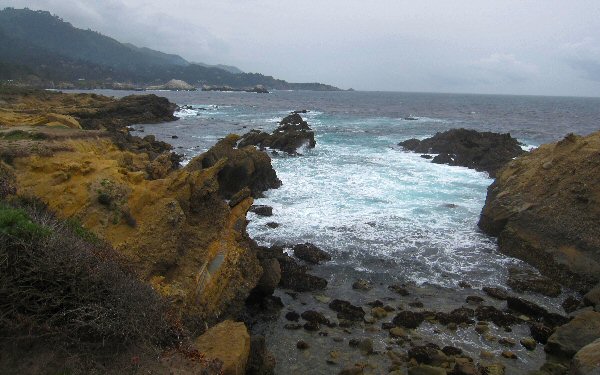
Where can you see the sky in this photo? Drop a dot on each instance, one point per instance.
(544, 47)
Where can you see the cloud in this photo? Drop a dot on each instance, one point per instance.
(505, 67)
(584, 57)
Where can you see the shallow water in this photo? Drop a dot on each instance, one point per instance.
(384, 214)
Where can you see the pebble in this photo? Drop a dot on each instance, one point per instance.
(397, 332)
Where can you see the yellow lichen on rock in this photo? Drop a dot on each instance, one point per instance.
(176, 231)
(229, 342)
(544, 207)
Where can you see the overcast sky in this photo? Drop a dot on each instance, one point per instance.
(547, 47)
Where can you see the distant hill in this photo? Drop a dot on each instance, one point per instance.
(41, 49)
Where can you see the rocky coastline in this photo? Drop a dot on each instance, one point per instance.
(183, 231)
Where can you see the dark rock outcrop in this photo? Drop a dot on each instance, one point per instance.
(293, 275)
(245, 167)
(133, 109)
(347, 311)
(544, 209)
(310, 253)
(293, 132)
(408, 319)
(483, 151)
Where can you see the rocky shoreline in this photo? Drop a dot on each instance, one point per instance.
(183, 230)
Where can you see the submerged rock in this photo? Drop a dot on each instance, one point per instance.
(293, 132)
(483, 151)
(362, 284)
(347, 311)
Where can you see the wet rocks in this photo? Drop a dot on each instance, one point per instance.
(400, 289)
(499, 318)
(293, 132)
(569, 338)
(295, 276)
(262, 210)
(408, 319)
(540, 332)
(457, 316)
(362, 284)
(570, 304)
(474, 300)
(314, 316)
(310, 253)
(521, 280)
(497, 293)
(347, 311)
(292, 316)
(302, 345)
(528, 343)
(483, 151)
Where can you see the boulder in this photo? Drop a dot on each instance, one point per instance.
(293, 132)
(244, 167)
(310, 253)
(492, 314)
(295, 276)
(543, 208)
(568, 339)
(347, 311)
(587, 360)
(228, 342)
(362, 284)
(314, 316)
(262, 210)
(408, 319)
(483, 151)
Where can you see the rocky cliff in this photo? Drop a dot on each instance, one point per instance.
(545, 209)
(172, 224)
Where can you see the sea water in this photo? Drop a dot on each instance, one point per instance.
(384, 214)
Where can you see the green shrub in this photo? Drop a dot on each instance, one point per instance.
(57, 283)
(15, 223)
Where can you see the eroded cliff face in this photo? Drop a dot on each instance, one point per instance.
(171, 224)
(545, 209)
(177, 231)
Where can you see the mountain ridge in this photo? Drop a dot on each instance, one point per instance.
(41, 49)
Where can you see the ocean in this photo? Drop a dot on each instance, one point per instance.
(384, 214)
